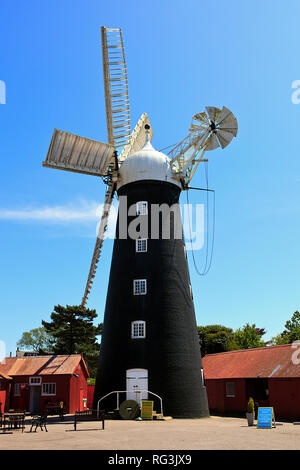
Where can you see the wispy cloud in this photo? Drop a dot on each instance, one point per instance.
(80, 212)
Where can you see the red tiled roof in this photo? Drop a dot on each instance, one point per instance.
(41, 365)
(273, 361)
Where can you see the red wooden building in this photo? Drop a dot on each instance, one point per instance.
(270, 375)
(35, 383)
(5, 387)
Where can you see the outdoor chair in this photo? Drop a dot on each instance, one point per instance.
(39, 421)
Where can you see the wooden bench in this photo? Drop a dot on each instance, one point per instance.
(56, 410)
(89, 415)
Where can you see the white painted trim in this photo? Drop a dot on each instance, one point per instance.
(137, 245)
(44, 394)
(135, 284)
(142, 208)
(35, 381)
(136, 323)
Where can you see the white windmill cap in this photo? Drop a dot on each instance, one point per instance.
(147, 164)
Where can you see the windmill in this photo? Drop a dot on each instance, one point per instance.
(149, 341)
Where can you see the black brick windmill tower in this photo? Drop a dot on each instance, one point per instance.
(150, 347)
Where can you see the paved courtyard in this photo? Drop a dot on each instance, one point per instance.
(210, 433)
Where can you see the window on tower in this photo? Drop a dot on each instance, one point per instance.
(140, 287)
(142, 208)
(141, 245)
(138, 329)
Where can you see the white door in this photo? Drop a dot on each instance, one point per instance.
(136, 379)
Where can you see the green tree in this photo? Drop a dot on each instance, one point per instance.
(277, 340)
(249, 337)
(215, 338)
(291, 332)
(37, 340)
(74, 332)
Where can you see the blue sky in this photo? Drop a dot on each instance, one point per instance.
(181, 57)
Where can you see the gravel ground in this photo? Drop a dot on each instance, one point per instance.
(186, 434)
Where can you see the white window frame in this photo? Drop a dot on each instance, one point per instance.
(139, 246)
(17, 389)
(137, 286)
(230, 389)
(35, 381)
(142, 208)
(135, 329)
(45, 393)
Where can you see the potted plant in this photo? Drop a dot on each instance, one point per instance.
(250, 412)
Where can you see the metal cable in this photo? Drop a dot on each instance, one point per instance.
(207, 265)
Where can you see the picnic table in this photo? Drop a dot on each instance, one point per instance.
(13, 420)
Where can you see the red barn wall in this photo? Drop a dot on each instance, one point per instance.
(284, 396)
(2, 400)
(78, 389)
(216, 394)
(90, 396)
(62, 391)
(4, 395)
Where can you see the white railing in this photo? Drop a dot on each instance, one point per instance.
(126, 391)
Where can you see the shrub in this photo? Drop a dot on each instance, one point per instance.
(250, 406)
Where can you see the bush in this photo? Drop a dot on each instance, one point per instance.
(250, 406)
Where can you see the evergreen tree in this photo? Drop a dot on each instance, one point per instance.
(73, 332)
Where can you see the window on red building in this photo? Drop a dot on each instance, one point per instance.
(230, 389)
(49, 389)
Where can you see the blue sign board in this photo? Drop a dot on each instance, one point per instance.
(265, 417)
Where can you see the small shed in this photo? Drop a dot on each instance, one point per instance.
(270, 375)
(40, 382)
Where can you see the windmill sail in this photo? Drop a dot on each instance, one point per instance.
(71, 152)
(115, 87)
(99, 242)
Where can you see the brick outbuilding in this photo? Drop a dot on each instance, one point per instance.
(35, 383)
(270, 375)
